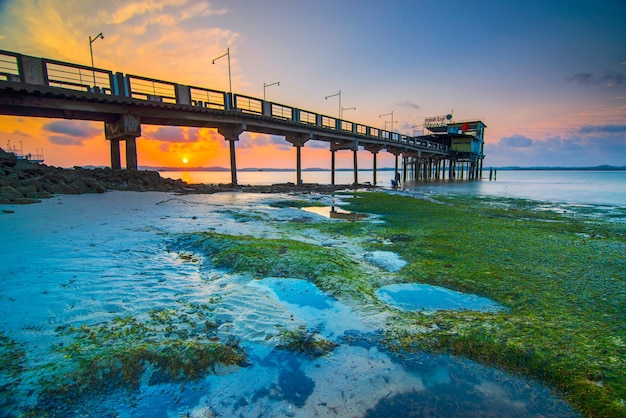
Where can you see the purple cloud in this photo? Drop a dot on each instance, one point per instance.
(581, 78)
(176, 134)
(608, 79)
(609, 129)
(408, 103)
(517, 141)
(65, 140)
(77, 129)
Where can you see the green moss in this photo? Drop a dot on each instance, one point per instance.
(173, 345)
(329, 268)
(295, 204)
(562, 276)
(12, 358)
(305, 342)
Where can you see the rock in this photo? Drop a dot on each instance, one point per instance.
(27, 182)
(8, 194)
(7, 159)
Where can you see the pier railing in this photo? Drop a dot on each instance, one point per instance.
(19, 68)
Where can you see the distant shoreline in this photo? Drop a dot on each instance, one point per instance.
(510, 168)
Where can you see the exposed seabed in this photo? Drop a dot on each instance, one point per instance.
(86, 261)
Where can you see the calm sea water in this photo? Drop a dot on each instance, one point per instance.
(572, 187)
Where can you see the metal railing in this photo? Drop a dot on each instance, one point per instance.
(153, 90)
(78, 77)
(9, 70)
(85, 78)
(210, 99)
(248, 104)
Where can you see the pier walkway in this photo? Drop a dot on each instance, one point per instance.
(42, 87)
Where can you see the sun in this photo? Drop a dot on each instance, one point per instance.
(185, 160)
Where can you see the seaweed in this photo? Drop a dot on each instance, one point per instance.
(305, 342)
(12, 358)
(561, 275)
(329, 268)
(169, 346)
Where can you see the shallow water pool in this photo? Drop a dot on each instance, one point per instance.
(428, 298)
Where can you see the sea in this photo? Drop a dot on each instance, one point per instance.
(574, 187)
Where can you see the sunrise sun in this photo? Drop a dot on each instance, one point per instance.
(185, 160)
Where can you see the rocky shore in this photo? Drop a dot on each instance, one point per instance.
(23, 182)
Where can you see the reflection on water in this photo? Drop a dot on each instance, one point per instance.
(424, 297)
(333, 212)
(573, 186)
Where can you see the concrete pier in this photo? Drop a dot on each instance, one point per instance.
(124, 102)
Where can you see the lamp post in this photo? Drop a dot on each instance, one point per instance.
(345, 108)
(392, 122)
(268, 85)
(339, 95)
(230, 83)
(91, 41)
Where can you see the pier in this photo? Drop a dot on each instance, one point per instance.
(43, 87)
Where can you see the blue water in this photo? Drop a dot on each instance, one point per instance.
(573, 187)
(423, 297)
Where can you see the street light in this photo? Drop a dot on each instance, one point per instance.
(227, 53)
(267, 85)
(91, 41)
(345, 108)
(392, 122)
(333, 95)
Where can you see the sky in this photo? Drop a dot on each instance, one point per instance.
(547, 77)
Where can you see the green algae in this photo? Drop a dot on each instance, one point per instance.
(304, 342)
(173, 345)
(562, 276)
(330, 269)
(295, 203)
(12, 358)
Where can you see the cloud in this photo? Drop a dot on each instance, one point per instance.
(65, 140)
(588, 145)
(175, 134)
(408, 103)
(611, 129)
(253, 139)
(71, 132)
(608, 79)
(516, 141)
(612, 78)
(581, 78)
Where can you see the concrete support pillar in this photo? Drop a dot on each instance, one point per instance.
(332, 167)
(404, 169)
(231, 134)
(131, 153)
(356, 166)
(298, 141)
(233, 162)
(298, 165)
(396, 166)
(374, 149)
(116, 161)
(126, 128)
(374, 167)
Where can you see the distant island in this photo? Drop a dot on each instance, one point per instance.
(253, 169)
(540, 168)
(508, 168)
